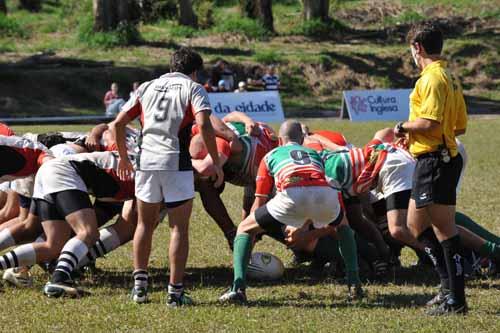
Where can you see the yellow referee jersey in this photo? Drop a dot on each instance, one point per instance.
(437, 96)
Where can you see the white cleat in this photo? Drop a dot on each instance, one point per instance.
(19, 277)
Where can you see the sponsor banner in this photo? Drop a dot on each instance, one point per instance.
(372, 105)
(262, 106)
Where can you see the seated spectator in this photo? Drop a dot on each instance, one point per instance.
(112, 101)
(221, 86)
(242, 87)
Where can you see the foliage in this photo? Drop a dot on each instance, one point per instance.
(11, 28)
(125, 34)
(242, 26)
(268, 57)
(319, 29)
(204, 11)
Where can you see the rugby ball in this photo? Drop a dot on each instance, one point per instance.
(265, 267)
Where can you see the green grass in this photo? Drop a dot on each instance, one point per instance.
(296, 304)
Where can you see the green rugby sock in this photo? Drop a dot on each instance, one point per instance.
(489, 249)
(466, 222)
(241, 256)
(349, 252)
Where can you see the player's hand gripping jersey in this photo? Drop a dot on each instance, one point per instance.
(356, 170)
(244, 171)
(20, 157)
(94, 173)
(166, 107)
(290, 166)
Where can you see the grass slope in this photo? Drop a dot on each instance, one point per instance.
(314, 71)
(296, 304)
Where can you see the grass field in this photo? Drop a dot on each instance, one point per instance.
(296, 304)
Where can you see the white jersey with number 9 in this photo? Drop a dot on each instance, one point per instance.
(167, 107)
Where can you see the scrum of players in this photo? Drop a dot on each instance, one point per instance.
(327, 201)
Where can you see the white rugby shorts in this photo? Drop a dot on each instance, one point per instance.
(295, 205)
(396, 174)
(153, 186)
(56, 176)
(24, 186)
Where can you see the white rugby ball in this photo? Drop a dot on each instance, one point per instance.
(264, 266)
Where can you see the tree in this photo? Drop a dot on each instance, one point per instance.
(260, 10)
(186, 14)
(31, 5)
(109, 13)
(3, 7)
(316, 9)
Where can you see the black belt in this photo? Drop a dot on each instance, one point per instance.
(427, 155)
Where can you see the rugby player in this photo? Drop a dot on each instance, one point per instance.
(240, 167)
(303, 195)
(167, 107)
(61, 202)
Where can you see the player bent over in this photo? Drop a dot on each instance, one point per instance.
(61, 202)
(302, 195)
(167, 107)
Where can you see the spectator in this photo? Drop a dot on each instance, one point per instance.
(270, 80)
(112, 100)
(222, 71)
(135, 85)
(221, 86)
(242, 87)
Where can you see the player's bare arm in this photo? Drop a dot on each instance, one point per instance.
(125, 167)
(208, 134)
(250, 125)
(92, 142)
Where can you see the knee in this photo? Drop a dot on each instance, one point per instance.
(398, 233)
(88, 235)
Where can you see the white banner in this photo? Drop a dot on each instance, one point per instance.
(370, 105)
(262, 106)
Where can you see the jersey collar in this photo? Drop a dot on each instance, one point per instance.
(434, 65)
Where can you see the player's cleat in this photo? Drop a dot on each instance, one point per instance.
(234, 297)
(355, 293)
(19, 277)
(440, 298)
(65, 288)
(174, 301)
(139, 295)
(448, 308)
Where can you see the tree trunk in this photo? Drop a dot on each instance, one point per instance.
(186, 14)
(247, 8)
(264, 13)
(31, 5)
(316, 9)
(3, 7)
(109, 13)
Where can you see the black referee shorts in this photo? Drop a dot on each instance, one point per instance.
(435, 182)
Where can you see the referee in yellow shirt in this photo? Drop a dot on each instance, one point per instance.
(437, 115)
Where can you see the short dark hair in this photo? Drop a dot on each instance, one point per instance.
(186, 61)
(428, 35)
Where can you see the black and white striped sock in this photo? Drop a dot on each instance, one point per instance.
(140, 278)
(23, 255)
(71, 254)
(107, 242)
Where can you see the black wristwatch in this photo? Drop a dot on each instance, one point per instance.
(400, 127)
